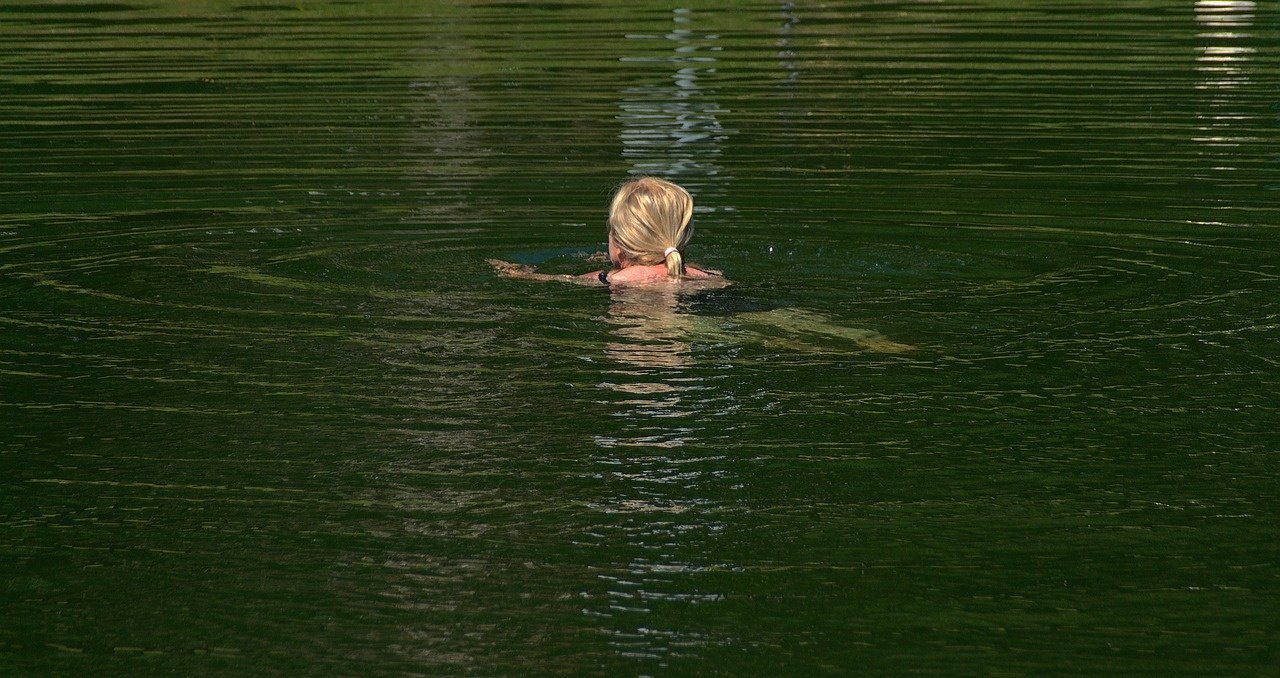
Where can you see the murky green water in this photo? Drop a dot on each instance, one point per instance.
(266, 409)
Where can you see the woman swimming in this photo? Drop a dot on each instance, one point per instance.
(650, 223)
(649, 226)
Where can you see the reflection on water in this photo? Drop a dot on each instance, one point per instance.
(657, 475)
(673, 129)
(649, 327)
(786, 47)
(669, 372)
(445, 140)
(444, 137)
(651, 348)
(1223, 65)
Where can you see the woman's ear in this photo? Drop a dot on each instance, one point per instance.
(616, 257)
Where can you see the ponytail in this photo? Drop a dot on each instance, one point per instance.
(675, 262)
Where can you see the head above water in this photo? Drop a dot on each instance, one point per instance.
(649, 224)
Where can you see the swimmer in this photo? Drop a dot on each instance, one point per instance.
(649, 227)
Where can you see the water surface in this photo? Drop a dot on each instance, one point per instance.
(266, 408)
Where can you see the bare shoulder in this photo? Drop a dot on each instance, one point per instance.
(697, 272)
(705, 277)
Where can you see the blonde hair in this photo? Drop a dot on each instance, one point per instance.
(649, 220)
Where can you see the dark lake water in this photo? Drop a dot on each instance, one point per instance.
(995, 389)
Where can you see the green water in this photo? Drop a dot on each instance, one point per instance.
(994, 391)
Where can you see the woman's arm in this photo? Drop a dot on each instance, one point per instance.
(508, 269)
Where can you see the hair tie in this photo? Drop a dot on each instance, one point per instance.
(667, 252)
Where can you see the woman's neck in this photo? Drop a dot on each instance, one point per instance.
(640, 272)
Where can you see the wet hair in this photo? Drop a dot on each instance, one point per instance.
(649, 220)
